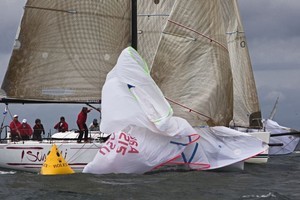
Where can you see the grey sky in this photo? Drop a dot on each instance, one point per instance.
(273, 34)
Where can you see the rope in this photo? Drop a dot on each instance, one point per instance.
(211, 39)
(77, 152)
(284, 146)
(190, 110)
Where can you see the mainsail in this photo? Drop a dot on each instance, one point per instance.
(192, 65)
(246, 111)
(65, 53)
(203, 64)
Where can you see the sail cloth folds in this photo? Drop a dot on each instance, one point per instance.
(219, 147)
(137, 100)
(246, 111)
(192, 65)
(146, 135)
(66, 48)
(289, 142)
(137, 151)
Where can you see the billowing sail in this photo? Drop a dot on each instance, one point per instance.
(145, 134)
(65, 53)
(289, 142)
(192, 65)
(152, 17)
(246, 111)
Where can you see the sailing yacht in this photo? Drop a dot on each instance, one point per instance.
(65, 50)
(62, 53)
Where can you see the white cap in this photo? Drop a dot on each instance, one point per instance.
(24, 121)
(15, 116)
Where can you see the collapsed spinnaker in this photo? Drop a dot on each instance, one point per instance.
(146, 135)
(283, 136)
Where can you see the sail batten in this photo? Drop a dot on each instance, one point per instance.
(50, 9)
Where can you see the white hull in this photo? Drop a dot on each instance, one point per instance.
(262, 157)
(30, 155)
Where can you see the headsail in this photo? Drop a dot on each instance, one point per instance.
(152, 17)
(192, 65)
(65, 53)
(246, 111)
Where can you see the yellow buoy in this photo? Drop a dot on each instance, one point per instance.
(55, 163)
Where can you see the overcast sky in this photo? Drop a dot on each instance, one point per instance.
(273, 33)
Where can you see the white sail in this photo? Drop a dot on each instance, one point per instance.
(288, 142)
(145, 134)
(192, 65)
(65, 53)
(246, 111)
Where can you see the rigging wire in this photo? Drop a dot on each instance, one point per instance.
(209, 38)
(190, 109)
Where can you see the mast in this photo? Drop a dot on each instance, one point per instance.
(274, 109)
(134, 24)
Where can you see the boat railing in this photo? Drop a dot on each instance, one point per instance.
(5, 135)
(94, 136)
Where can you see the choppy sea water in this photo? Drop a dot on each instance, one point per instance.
(278, 179)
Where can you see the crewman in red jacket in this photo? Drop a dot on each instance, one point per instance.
(62, 125)
(14, 133)
(25, 130)
(81, 123)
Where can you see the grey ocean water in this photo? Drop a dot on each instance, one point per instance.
(278, 179)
